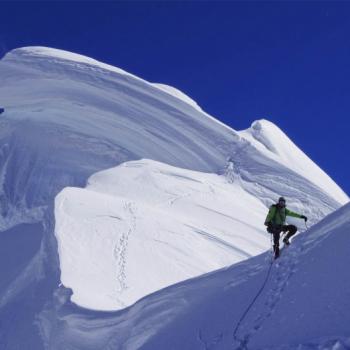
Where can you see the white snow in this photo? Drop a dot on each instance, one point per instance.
(274, 143)
(304, 305)
(145, 225)
(50, 54)
(178, 94)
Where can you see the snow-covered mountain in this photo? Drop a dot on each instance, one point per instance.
(68, 117)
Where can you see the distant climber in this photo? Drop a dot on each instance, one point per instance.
(275, 222)
(2, 110)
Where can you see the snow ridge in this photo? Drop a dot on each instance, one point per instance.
(178, 94)
(275, 144)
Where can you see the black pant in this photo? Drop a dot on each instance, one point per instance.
(276, 231)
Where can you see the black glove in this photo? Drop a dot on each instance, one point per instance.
(269, 227)
(303, 217)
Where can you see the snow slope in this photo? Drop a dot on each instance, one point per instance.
(68, 117)
(145, 225)
(304, 304)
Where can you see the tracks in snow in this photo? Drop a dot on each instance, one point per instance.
(121, 247)
(282, 271)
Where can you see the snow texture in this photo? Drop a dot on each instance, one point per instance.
(179, 94)
(145, 225)
(68, 117)
(273, 143)
(304, 304)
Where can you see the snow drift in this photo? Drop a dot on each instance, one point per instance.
(145, 225)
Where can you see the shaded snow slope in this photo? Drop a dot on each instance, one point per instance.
(304, 304)
(145, 225)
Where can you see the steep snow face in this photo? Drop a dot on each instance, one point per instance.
(304, 304)
(145, 225)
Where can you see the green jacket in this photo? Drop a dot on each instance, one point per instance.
(277, 216)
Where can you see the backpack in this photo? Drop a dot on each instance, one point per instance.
(271, 228)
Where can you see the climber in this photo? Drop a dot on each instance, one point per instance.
(275, 222)
(2, 110)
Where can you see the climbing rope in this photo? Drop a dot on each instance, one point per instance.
(243, 343)
(235, 338)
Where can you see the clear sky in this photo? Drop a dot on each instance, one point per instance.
(288, 62)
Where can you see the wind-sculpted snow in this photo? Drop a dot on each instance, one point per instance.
(273, 143)
(117, 108)
(145, 225)
(68, 117)
(179, 94)
(304, 304)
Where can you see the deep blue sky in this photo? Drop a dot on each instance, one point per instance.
(288, 62)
